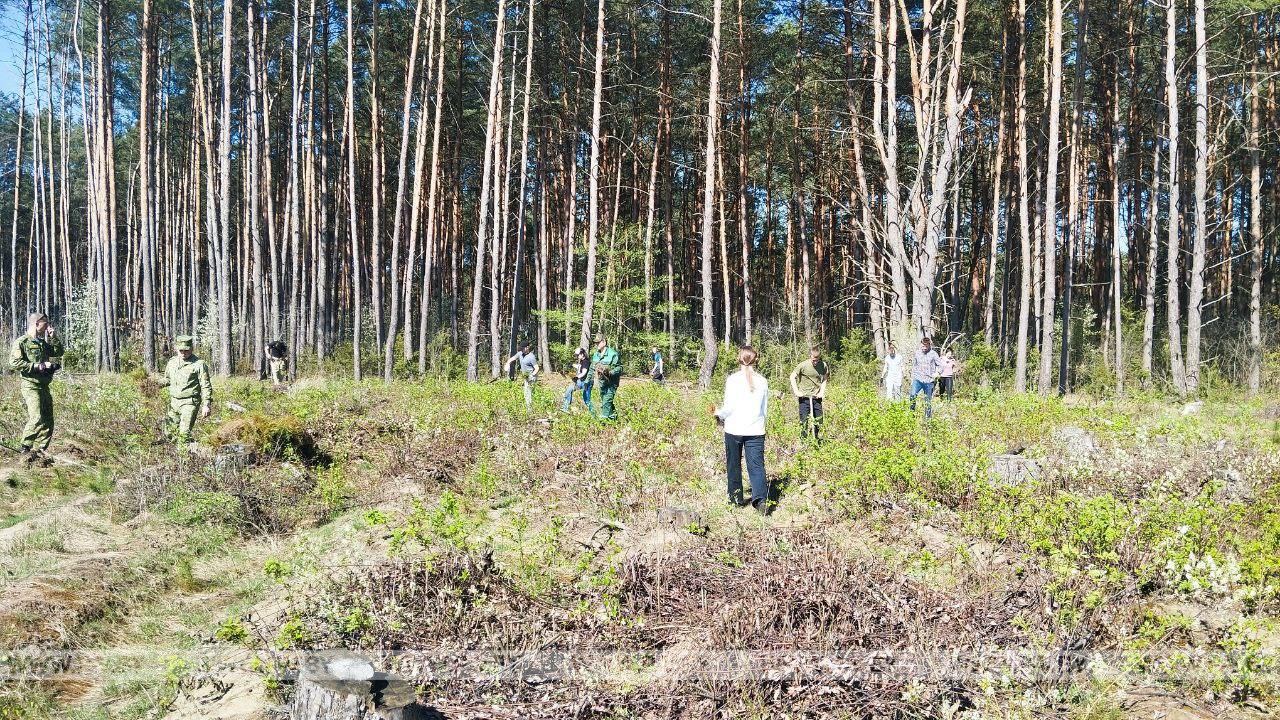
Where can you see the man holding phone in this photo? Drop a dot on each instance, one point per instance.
(34, 356)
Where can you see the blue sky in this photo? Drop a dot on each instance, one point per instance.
(10, 48)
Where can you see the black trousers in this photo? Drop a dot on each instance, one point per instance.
(735, 446)
(810, 417)
(946, 387)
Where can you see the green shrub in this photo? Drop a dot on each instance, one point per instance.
(232, 630)
(196, 507)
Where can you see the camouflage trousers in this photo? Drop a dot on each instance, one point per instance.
(39, 428)
(182, 418)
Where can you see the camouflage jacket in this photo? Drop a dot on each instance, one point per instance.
(27, 352)
(188, 379)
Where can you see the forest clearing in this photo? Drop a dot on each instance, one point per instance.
(1015, 557)
(267, 266)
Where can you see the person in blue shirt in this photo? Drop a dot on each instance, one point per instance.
(659, 372)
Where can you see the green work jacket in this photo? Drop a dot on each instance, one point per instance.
(612, 362)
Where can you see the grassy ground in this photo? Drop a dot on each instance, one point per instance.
(1015, 557)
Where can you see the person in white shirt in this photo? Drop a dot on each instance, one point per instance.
(746, 402)
(892, 373)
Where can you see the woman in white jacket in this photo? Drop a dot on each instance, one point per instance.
(746, 402)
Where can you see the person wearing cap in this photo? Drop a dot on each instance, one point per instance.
(607, 367)
(581, 368)
(189, 388)
(34, 356)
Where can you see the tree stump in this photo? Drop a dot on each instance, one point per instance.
(339, 685)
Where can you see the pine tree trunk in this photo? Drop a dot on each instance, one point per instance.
(1024, 209)
(1195, 295)
(146, 171)
(397, 219)
(517, 266)
(593, 185)
(14, 315)
(1256, 246)
(490, 159)
(710, 350)
(1153, 263)
(1173, 302)
(224, 200)
(1117, 306)
(353, 172)
(1050, 222)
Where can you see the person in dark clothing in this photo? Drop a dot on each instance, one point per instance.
(580, 367)
(277, 364)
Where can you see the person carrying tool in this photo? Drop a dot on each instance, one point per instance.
(34, 356)
(809, 385)
(606, 374)
(529, 366)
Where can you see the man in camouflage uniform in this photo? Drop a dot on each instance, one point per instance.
(189, 389)
(34, 357)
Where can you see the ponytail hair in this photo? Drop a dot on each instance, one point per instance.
(747, 359)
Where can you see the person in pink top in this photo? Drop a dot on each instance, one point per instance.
(948, 369)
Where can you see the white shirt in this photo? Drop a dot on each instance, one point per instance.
(743, 410)
(893, 367)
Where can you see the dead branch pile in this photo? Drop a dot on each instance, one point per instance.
(714, 631)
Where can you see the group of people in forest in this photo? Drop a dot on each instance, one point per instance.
(743, 411)
(601, 370)
(930, 372)
(36, 356)
(745, 407)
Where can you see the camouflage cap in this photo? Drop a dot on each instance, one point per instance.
(183, 342)
(599, 338)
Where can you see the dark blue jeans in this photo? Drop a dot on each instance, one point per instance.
(919, 387)
(575, 386)
(753, 445)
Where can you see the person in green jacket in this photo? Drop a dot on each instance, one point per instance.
(189, 388)
(607, 373)
(34, 357)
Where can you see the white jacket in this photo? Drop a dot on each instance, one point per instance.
(743, 410)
